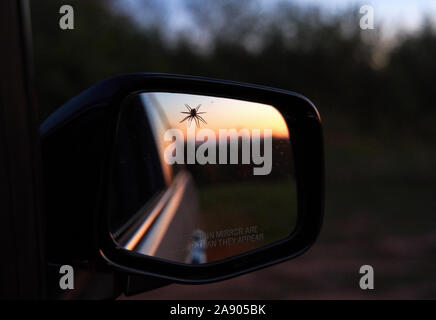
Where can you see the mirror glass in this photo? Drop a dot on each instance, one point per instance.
(198, 179)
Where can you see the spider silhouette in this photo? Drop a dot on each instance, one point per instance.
(193, 114)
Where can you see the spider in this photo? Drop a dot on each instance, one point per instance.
(193, 114)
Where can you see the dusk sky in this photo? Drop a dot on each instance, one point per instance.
(221, 113)
(392, 15)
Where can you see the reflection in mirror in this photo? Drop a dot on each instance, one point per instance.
(198, 179)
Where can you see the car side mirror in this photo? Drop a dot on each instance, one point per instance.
(181, 178)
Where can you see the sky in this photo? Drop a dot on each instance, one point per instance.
(393, 15)
(221, 113)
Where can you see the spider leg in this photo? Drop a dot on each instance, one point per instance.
(201, 112)
(198, 107)
(188, 107)
(185, 112)
(200, 117)
(184, 119)
(197, 122)
(189, 121)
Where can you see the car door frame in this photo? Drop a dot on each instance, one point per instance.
(22, 266)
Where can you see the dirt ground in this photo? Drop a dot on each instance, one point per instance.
(403, 268)
(373, 217)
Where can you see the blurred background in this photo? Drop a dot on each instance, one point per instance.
(373, 88)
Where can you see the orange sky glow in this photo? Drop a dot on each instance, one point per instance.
(220, 113)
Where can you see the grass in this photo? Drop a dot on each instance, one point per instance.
(271, 205)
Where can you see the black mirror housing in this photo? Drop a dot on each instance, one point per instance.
(77, 146)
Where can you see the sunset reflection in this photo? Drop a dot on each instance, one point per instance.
(221, 113)
(218, 176)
